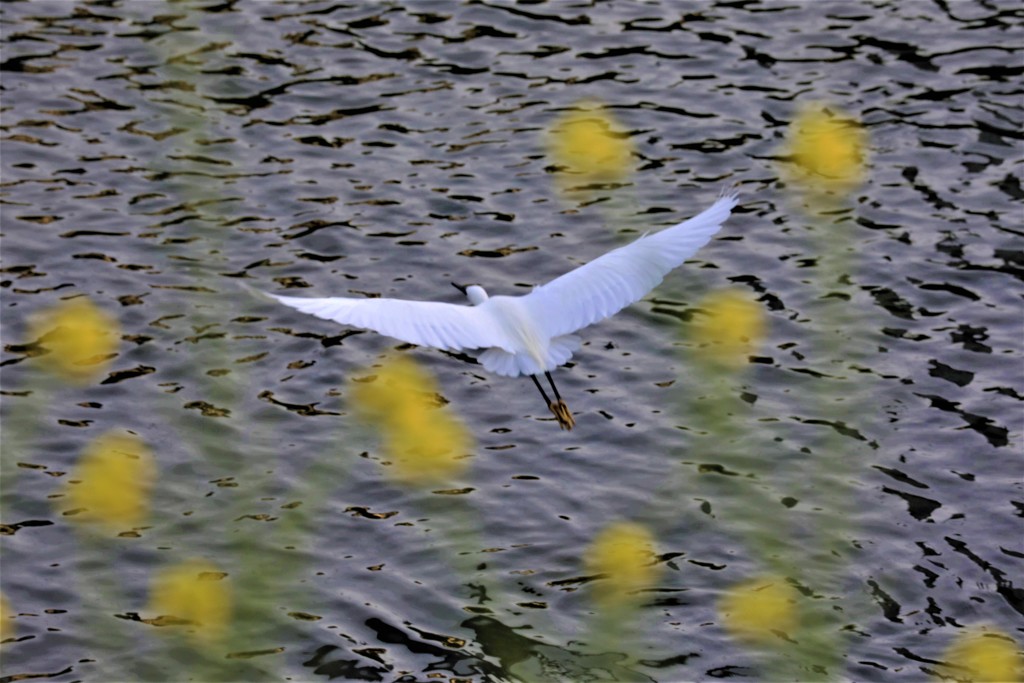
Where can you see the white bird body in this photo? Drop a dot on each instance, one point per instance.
(527, 349)
(532, 333)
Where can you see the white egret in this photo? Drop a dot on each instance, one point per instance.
(532, 333)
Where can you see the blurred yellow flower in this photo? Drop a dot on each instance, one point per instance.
(79, 337)
(584, 141)
(623, 554)
(754, 609)
(731, 330)
(828, 150)
(112, 481)
(6, 625)
(987, 656)
(425, 444)
(194, 591)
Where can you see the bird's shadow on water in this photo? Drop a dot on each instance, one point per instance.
(506, 654)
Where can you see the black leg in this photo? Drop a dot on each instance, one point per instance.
(542, 392)
(552, 383)
(558, 407)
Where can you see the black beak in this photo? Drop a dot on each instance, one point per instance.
(459, 287)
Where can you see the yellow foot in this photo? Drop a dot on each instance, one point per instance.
(562, 414)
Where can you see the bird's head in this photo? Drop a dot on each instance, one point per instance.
(475, 293)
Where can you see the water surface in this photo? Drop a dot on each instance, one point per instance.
(165, 160)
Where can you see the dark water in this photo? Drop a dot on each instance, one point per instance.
(163, 158)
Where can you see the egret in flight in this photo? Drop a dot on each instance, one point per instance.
(533, 333)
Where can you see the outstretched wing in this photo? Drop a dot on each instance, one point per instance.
(623, 276)
(426, 323)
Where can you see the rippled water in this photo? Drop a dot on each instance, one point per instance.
(165, 159)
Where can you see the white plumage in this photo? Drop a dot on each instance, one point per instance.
(532, 333)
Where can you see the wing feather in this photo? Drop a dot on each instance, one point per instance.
(579, 298)
(426, 323)
(623, 276)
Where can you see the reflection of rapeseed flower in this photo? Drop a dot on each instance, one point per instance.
(623, 553)
(425, 444)
(6, 628)
(828, 151)
(79, 337)
(987, 656)
(732, 329)
(585, 143)
(112, 481)
(754, 609)
(194, 591)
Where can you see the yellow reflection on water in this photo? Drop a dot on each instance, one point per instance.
(986, 655)
(828, 150)
(425, 444)
(585, 142)
(753, 610)
(731, 329)
(6, 619)
(79, 337)
(195, 592)
(112, 481)
(623, 554)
